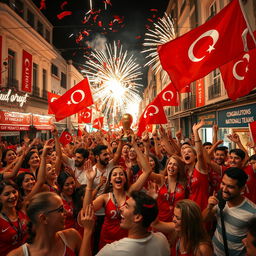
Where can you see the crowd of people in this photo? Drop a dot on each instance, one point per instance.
(119, 194)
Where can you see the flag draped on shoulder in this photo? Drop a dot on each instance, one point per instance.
(203, 49)
(74, 100)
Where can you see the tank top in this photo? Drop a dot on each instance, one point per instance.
(67, 251)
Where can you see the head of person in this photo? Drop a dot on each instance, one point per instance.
(236, 157)
(32, 160)
(8, 194)
(66, 183)
(250, 240)
(207, 145)
(132, 154)
(220, 155)
(8, 156)
(233, 183)
(189, 155)
(45, 210)
(50, 172)
(162, 148)
(141, 146)
(139, 210)
(53, 156)
(78, 197)
(81, 155)
(184, 145)
(176, 167)
(25, 182)
(101, 154)
(117, 179)
(154, 163)
(252, 161)
(114, 144)
(189, 224)
(125, 149)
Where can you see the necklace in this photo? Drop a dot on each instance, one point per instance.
(116, 205)
(171, 201)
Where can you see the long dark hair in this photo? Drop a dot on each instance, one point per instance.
(62, 179)
(25, 163)
(109, 187)
(77, 199)
(157, 163)
(3, 184)
(20, 178)
(4, 163)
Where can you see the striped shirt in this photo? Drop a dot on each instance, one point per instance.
(236, 219)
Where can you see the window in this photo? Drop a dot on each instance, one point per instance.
(18, 7)
(40, 28)
(44, 83)
(47, 35)
(31, 18)
(11, 67)
(54, 70)
(35, 73)
(212, 10)
(214, 90)
(63, 81)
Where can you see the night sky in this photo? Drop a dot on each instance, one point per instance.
(72, 33)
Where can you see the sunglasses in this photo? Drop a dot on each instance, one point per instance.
(59, 210)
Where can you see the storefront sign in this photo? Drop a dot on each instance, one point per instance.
(14, 121)
(209, 119)
(12, 98)
(237, 117)
(26, 72)
(200, 96)
(41, 122)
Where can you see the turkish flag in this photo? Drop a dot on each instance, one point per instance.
(85, 116)
(185, 89)
(98, 123)
(74, 100)
(203, 49)
(153, 114)
(239, 75)
(252, 127)
(51, 97)
(65, 138)
(169, 96)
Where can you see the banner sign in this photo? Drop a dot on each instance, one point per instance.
(26, 72)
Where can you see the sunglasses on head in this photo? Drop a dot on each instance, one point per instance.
(59, 210)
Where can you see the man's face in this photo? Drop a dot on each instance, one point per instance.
(235, 160)
(248, 243)
(253, 164)
(127, 214)
(219, 157)
(230, 189)
(104, 157)
(79, 160)
(207, 147)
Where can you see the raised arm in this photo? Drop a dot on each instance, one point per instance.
(58, 150)
(215, 129)
(201, 162)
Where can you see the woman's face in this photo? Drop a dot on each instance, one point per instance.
(188, 155)
(177, 219)
(172, 167)
(53, 157)
(10, 156)
(69, 186)
(9, 197)
(118, 178)
(50, 172)
(132, 154)
(152, 163)
(34, 160)
(28, 183)
(125, 150)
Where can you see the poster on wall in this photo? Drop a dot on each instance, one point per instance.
(26, 72)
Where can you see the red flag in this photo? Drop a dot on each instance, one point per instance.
(74, 100)
(252, 127)
(65, 138)
(51, 98)
(185, 89)
(168, 96)
(98, 123)
(79, 131)
(239, 75)
(203, 49)
(153, 114)
(85, 116)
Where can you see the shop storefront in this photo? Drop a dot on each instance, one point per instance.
(236, 120)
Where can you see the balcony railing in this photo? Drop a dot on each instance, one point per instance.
(12, 83)
(189, 102)
(214, 90)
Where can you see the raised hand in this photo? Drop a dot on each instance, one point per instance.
(87, 218)
(198, 125)
(89, 171)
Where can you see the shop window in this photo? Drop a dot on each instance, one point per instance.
(40, 28)
(31, 18)
(63, 81)
(12, 82)
(55, 70)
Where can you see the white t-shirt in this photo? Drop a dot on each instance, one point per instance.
(79, 174)
(155, 244)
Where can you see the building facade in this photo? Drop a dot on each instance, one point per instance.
(30, 67)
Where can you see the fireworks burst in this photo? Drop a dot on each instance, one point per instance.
(162, 33)
(114, 79)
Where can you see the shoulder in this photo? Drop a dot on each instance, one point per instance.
(204, 249)
(71, 237)
(116, 248)
(16, 252)
(248, 206)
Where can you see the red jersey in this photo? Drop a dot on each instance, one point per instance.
(111, 230)
(198, 186)
(250, 188)
(166, 201)
(12, 235)
(69, 209)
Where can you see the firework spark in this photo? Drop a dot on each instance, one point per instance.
(114, 79)
(162, 33)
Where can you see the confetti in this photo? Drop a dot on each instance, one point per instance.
(63, 14)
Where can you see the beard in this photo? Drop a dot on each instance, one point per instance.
(78, 164)
(104, 163)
